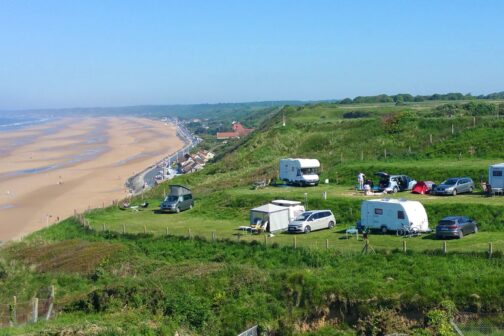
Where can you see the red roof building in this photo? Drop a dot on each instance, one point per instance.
(238, 131)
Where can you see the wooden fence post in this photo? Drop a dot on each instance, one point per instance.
(189, 233)
(103, 227)
(385, 153)
(295, 243)
(430, 138)
(13, 321)
(444, 248)
(213, 236)
(490, 250)
(35, 310)
(51, 304)
(145, 228)
(124, 228)
(453, 129)
(404, 246)
(167, 231)
(327, 244)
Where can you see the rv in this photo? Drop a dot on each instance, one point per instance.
(180, 198)
(496, 176)
(393, 215)
(300, 172)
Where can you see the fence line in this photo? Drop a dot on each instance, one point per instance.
(18, 313)
(351, 243)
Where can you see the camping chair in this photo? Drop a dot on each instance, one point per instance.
(144, 205)
(259, 228)
(488, 190)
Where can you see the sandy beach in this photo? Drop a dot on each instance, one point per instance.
(47, 171)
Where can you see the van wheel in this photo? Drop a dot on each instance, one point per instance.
(475, 229)
(331, 225)
(384, 229)
(307, 229)
(190, 206)
(470, 190)
(454, 193)
(177, 210)
(461, 234)
(395, 190)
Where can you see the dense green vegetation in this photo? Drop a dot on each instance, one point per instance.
(143, 284)
(149, 282)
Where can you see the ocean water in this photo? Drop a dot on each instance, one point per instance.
(9, 123)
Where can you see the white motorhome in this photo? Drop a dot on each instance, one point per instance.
(393, 215)
(300, 172)
(295, 207)
(496, 176)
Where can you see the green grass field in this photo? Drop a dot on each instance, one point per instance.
(166, 274)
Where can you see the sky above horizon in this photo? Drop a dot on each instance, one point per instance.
(57, 54)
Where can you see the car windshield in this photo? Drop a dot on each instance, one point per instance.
(451, 181)
(309, 171)
(304, 216)
(171, 198)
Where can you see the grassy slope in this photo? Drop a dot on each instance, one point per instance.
(228, 286)
(147, 284)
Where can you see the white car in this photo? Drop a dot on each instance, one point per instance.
(312, 220)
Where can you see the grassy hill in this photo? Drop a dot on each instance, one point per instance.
(167, 274)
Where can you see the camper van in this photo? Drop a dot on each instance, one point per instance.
(180, 198)
(496, 176)
(302, 172)
(393, 215)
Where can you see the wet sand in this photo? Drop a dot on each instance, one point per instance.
(48, 171)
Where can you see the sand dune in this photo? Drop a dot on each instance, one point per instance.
(50, 170)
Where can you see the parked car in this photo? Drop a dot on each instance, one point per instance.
(313, 220)
(455, 226)
(394, 183)
(454, 186)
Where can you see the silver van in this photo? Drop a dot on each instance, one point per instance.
(312, 220)
(180, 198)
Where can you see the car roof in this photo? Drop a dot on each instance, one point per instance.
(315, 211)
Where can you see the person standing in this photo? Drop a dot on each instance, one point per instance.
(360, 179)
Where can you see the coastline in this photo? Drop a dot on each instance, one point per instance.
(50, 170)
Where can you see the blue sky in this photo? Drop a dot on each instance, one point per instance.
(115, 53)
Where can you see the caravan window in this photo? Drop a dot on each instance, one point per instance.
(497, 173)
(378, 211)
(400, 214)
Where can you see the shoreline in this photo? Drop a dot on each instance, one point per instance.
(71, 182)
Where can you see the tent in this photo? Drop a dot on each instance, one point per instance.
(179, 190)
(422, 187)
(276, 216)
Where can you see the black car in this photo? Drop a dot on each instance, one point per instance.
(455, 226)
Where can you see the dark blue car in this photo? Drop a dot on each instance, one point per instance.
(455, 227)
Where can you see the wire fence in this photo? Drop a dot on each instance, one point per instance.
(336, 240)
(469, 324)
(22, 312)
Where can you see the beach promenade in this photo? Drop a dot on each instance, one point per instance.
(47, 171)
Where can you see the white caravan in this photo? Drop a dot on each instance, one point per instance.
(295, 207)
(300, 172)
(496, 176)
(393, 214)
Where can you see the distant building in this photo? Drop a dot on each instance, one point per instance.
(238, 131)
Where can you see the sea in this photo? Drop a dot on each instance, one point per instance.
(13, 121)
